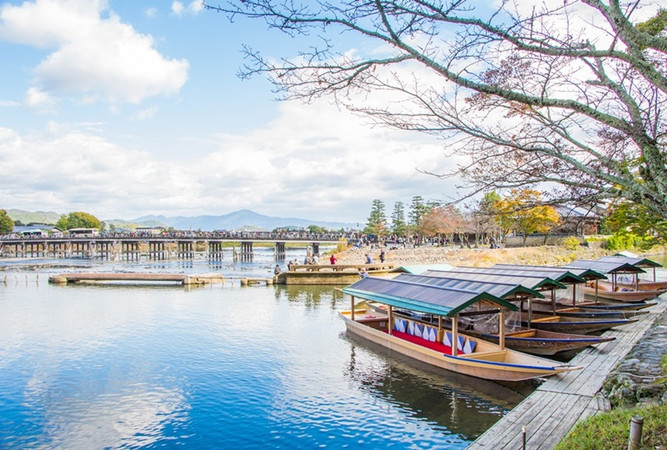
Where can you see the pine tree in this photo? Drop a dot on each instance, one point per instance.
(398, 225)
(377, 220)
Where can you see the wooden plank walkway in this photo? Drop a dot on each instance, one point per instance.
(555, 407)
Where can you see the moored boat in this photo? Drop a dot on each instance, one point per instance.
(573, 324)
(529, 340)
(542, 309)
(600, 305)
(434, 345)
(547, 343)
(616, 293)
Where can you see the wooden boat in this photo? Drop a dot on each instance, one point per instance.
(542, 309)
(605, 291)
(529, 340)
(645, 285)
(451, 351)
(573, 324)
(601, 305)
(548, 343)
(639, 283)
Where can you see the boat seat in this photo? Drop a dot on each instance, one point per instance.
(430, 334)
(400, 325)
(447, 339)
(469, 346)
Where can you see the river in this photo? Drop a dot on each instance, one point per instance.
(138, 366)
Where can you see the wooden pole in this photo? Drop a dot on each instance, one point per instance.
(390, 318)
(455, 334)
(636, 425)
(501, 326)
(351, 307)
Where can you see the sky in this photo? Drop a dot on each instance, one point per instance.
(124, 109)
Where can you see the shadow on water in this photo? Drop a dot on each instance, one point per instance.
(463, 405)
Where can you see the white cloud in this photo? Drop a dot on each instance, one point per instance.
(314, 162)
(146, 113)
(193, 8)
(34, 98)
(94, 55)
(151, 12)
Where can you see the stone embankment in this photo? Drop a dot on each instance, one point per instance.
(639, 378)
(551, 255)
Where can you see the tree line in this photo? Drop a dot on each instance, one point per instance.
(493, 217)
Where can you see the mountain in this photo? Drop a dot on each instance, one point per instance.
(237, 220)
(242, 219)
(26, 217)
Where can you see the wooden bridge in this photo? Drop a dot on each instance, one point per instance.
(131, 247)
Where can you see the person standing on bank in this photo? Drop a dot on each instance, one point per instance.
(333, 259)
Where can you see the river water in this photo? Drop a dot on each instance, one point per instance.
(137, 366)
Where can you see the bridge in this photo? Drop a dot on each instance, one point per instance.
(181, 245)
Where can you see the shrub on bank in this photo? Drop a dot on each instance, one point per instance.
(612, 429)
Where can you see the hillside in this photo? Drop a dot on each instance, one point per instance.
(242, 219)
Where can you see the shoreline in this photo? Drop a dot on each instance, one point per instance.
(477, 257)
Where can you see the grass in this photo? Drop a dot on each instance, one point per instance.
(611, 430)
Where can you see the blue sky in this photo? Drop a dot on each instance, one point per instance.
(125, 108)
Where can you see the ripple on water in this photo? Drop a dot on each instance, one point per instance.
(131, 367)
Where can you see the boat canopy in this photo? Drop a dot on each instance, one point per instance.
(502, 290)
(420, 268)
(442, 301)
(635, 261)
(525, 278)
(557, 273)
(612, 267)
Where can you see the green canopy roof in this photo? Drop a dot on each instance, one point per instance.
(443, 301)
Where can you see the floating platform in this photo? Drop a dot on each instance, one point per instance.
(327, 274)
(186, 280)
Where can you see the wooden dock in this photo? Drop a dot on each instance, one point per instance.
(330, 274)
(559, 403)
(65, 278)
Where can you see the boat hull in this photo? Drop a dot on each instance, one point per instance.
(629, 296)
(601, 305)
(547, 343)
(647, 285)
(572, 325)
(498, 365)
(542, 310)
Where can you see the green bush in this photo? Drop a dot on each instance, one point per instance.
(571, 243)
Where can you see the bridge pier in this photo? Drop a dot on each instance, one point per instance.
(215, 250)
(246, 251)
(315, 246)
(104, 249)
(185, 249)
(280, 251)
(156, 250)
(81, 249)
(130, 250)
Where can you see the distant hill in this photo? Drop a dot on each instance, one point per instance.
(26, 217)
(237, 220)
(242, 219)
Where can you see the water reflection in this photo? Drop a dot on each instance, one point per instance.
(468, 406)
(310, 296)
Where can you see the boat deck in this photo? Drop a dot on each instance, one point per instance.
(559, 403)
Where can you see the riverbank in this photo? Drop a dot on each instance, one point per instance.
(481, 257)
